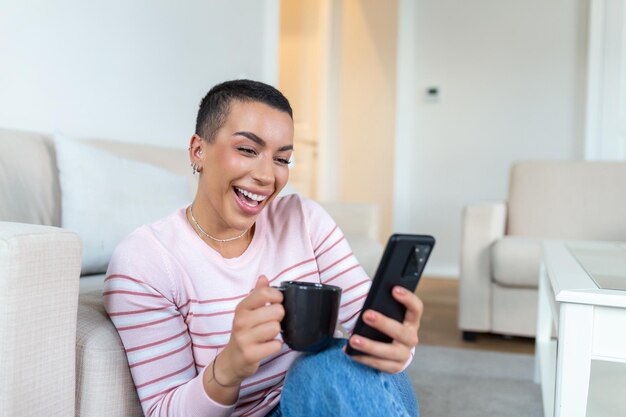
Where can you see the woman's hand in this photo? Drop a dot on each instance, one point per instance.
(390, 357)
(253, 338)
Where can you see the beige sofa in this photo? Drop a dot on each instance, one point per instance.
(501, 249)
(64, 203)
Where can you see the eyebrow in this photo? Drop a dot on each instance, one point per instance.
(254, 138)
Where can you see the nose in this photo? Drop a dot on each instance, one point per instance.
(264, 171)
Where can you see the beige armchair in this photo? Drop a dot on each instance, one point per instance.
(500, 245)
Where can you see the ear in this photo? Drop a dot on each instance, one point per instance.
(195, 148)
(196, 153)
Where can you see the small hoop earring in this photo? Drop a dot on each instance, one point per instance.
(195, 168)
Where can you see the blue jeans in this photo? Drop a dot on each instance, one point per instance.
(331, 384)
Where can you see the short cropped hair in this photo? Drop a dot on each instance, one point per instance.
(215, 106)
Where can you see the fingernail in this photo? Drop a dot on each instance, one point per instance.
(370, 316)
(357, 341)
(400, 290)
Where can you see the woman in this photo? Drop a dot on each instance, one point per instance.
(190, 294)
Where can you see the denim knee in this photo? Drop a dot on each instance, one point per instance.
(331, 383)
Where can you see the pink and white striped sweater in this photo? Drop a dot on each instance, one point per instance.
(172, 298)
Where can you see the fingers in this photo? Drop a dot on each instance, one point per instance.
(405, 332)
(390, 357)
(385, 365)
(246, 319)
(262, 333)
(393, 351)
(263, 350)
(261, 295)
(414, 306)
(262, 305)
(386, 357)
(258, 342)
(256, 325)
(258, 316)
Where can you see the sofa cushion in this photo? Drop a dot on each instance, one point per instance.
(29, 186)
(515, 261)
(104, 197)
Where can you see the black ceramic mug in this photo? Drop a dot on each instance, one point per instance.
(311, 311)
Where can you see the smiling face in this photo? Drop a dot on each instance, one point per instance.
(243, 168)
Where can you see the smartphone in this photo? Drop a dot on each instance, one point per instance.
(403, 262)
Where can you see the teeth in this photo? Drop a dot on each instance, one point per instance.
(252, 196)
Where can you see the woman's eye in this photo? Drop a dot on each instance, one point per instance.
(283, 161)
(248, 151)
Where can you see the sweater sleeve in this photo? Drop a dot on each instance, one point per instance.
(141, 302)
(337, 264)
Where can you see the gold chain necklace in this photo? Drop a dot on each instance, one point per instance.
(201, 230)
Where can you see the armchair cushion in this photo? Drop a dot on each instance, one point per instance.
(515, 261)
(567, 200)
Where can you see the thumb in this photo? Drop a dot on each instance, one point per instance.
(262, 281)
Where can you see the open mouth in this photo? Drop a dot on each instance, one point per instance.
(248, 198)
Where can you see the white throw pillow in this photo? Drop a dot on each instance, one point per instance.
(104, 197)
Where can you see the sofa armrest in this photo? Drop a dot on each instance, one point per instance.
(368, 251)
(39, 273)
(355, 218)
(482, 225)
(360, 224)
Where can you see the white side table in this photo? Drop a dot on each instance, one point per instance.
(582, 294)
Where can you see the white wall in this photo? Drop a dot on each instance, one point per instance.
(127, 70)
(605, 137)
(512, 81)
